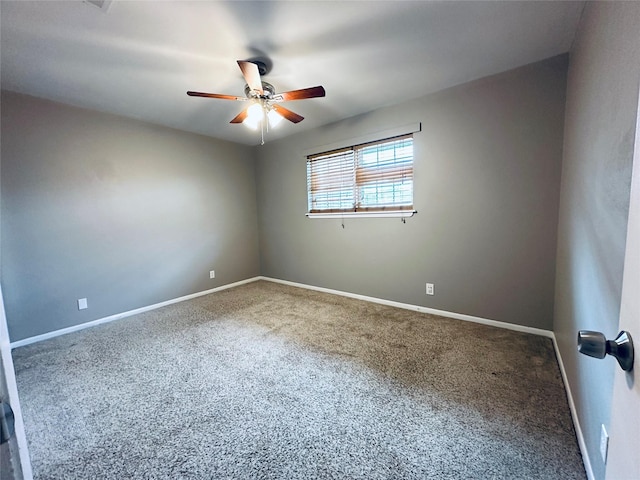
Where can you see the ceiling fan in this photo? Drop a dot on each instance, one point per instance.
(263, 97)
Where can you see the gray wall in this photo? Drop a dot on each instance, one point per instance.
(487, 179)
(602, 98)
(121, 212)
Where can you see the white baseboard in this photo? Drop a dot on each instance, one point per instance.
(574, 414)
(418, 308)
(406, 306)
(118, 316)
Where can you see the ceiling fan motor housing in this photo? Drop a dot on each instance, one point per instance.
(269, 91)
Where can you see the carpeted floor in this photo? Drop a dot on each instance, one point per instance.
(270, 381)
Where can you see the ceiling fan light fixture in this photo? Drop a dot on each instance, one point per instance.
(264, 110)
(255, 115)
(274, 118)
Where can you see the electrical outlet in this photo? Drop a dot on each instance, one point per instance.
(604, 444)
(212, 274)
(430, 289)
(82, 303)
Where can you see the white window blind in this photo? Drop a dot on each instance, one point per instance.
(372, 177)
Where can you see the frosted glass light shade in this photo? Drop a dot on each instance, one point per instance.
(274, 118)
(255, 114)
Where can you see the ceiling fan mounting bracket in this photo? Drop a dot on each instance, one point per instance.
(262, 66)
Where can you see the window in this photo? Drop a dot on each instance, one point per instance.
(368, 178)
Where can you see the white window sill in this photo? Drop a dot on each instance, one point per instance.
(388, 214)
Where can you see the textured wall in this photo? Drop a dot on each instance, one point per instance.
(602, 96)
(487, 179)
(121, 212)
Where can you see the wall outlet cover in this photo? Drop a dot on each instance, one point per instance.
(430, 289)
(82, 303)
(212, 274)
(604, 443)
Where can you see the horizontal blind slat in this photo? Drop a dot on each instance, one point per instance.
(386, 175)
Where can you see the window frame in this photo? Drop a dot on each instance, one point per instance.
(362, 175)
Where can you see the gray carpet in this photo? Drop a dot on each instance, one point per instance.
(270, 381)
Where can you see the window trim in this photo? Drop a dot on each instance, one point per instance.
(360, 214)
(401, 211)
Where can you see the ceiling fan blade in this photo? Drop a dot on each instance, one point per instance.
(251, 75)
(215, 95)
(311, 92)
(288, 114)
(240, 117)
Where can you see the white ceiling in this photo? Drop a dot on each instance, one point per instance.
(138, 58)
